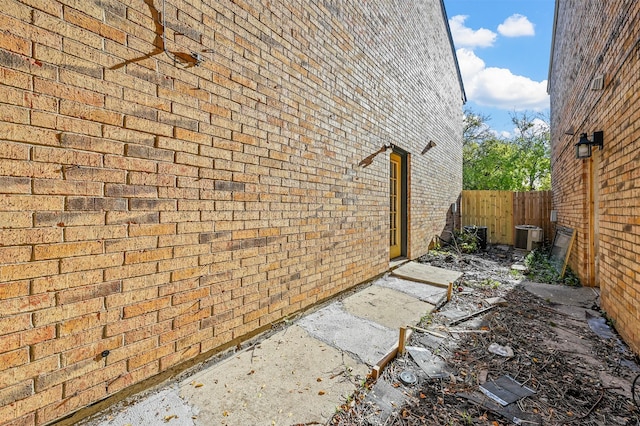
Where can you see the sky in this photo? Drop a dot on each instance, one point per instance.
(503, 52)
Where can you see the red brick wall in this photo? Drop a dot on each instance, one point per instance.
(592, 39)
(158, 208)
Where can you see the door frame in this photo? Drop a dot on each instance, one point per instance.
(594, 220)
(403, 158)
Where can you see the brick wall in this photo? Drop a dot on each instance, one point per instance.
(158, 208)
(600, 39)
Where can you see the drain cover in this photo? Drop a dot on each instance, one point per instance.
(408, 378)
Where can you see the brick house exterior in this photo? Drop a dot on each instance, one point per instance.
(177, 176)
(594, 80)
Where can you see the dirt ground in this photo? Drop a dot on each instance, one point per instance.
(578, 376)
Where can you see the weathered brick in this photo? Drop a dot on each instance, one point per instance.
(29, 169)
(54, 56)
(146, 196)
(132, 217)
(141, 151)
(129, 324)
(96, 261)
(48, 316)
(64, 281)
(129, 136)
(94, 174)
(63, 124)
(94, 25)
(26, 304)
(16, 79)
(16, 237)
(48, 352)
(148, 255)
(151, 205)
(57, 187)
(14, 114)
(145, 307)
(155, 179)
(85, 112)
(25, 133)
(148, 126)
(129, 271)
(16, 219)
(15, 44)
(37, 335)
(14, 358)
(87, 143)
(51, 19)
(131, 243)
(10, 290)
(68, 218)
(79, 324)
(137, 230)
(16, 392)
(148, 357)
(34, 402)
(129, 163)
(95, 203)
(105, 375)
(75, 94)
(48, 380)
(64, 250)
(15, 185)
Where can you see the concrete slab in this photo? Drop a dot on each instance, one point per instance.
(157, 408)
(426, 292)
(453, 313)
(299, 375)
(572, 296)
(386, 399)
(419, 272)
(290, 378)
(366, 339)
(434, 366)
(385, 306)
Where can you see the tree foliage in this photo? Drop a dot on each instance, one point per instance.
(517, 163)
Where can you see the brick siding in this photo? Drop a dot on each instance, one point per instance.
(600, 39)
(158, 208)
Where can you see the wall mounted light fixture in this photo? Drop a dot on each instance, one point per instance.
(430, 145)
(583, 147)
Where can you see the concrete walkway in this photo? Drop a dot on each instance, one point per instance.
(301, 374)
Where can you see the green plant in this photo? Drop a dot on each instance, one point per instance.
(466, 241)
(543, 271)
(426, 319)
(466, 418)
(494, 284)
(611, 322)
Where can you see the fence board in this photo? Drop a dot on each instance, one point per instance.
(501, 211)
(493, 209)
(534, 208)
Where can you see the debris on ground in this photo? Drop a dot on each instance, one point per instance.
(495, 334)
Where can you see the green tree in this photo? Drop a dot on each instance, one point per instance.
(532, 140)
(519, 163)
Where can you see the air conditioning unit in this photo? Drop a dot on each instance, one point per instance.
(528, 237)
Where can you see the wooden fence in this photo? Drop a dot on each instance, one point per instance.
(501, 211)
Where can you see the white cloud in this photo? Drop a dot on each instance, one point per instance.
(499, 87)
(466, 37)
(516, 26)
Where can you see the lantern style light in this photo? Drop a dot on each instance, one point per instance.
(583, 147)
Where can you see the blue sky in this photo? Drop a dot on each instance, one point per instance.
(503, 52)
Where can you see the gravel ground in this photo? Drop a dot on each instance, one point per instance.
(579, 377)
